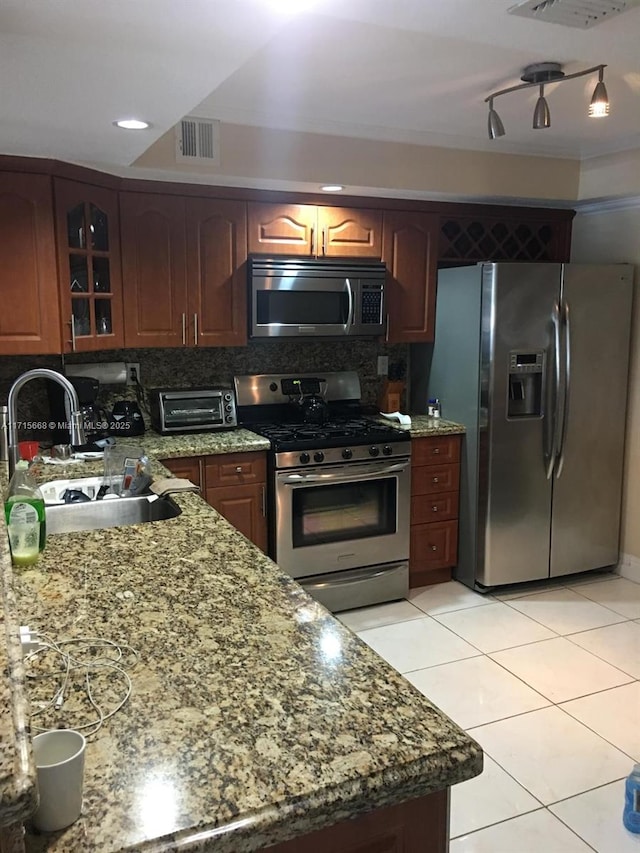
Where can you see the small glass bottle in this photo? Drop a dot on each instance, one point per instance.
(631, 813)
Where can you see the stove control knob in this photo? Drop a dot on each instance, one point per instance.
(347, 453)
(273, 387)
(229, 419)
(319, 456)
(227, 397)
(387, 450)
(374, 451)
(228, 407)
(304, 458)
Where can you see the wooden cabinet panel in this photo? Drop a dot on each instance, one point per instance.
(89, 266)
(235, 469)
(432, 479)
(350, 232)
(281, 229)
(410, 252)
(436, 450)
(434, 546)
(244, 507)
(216, 271)
(188, 467)
(30, 314)
(426, 509)
(154, 269)
(416, 826)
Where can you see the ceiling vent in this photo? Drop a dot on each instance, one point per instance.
(572, 13)
(198, 141)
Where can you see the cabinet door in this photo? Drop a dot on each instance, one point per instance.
(244, 507)
(216, 272)
(187, 467)
(89, 267)
(282, 229)
(350, 232)
(410, 251)
(154, 270)
(30, 314)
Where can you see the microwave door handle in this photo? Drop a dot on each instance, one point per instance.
(301, 479)
(350, 318)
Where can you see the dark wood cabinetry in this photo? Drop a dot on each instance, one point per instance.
(303, 229)
(435, 482)
(409, 250)
(233, 483)
(89, 270)
(184, 271)
(30, 313)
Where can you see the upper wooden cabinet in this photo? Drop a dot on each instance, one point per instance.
(88, 238)
(216, 271)
(183, 263)
(30, 314)
(410, 243)
(302, 229)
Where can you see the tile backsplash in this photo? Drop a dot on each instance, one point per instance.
(180, 368)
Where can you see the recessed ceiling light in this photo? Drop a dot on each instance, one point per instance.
(331, 188)
(132, 124)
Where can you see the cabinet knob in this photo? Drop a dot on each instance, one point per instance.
(435, 479)
(435, 451)
(238, 469)
(434, 508)
(434, 547)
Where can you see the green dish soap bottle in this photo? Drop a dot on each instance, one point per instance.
(25, 517)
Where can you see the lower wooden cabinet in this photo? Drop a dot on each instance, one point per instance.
(235, 484)
(435, 482)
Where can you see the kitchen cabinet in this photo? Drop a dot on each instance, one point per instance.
(30, 315)
(410, 252)
(303, 229)
(89, 272)
(435, 483)
(233, 483)
(183, 266)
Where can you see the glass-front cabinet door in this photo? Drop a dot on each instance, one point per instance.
(88, 238)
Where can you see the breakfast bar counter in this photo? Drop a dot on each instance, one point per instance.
(255, 716)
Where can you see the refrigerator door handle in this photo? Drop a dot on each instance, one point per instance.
(553, 413)
(567, 386)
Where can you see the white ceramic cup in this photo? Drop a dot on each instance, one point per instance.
(59, 759)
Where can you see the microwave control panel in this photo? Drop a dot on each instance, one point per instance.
(372, 307)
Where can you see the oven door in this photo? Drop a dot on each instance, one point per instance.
(342, 517)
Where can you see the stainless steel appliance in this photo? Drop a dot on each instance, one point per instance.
(94, 416)
(339, 490)
(533, 360)
(304, 297)
(193, 410)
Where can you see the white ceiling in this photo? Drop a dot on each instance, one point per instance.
(412, 70)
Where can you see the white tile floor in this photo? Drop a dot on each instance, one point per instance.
(547, 680)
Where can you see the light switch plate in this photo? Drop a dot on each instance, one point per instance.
(383, 365)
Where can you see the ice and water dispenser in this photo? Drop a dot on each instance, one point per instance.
(525, 384)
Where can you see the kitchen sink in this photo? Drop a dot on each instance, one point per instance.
(114, 512)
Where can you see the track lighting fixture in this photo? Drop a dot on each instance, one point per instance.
(537, 75)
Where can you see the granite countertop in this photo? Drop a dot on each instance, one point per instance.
(423, 425)
(255, 715)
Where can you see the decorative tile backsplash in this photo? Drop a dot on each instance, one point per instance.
(205, 366)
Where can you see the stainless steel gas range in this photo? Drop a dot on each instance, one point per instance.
(339, 486)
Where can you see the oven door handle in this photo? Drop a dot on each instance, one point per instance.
(299, 479)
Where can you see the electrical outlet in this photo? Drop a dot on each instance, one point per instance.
(383, 365)
(133, 372)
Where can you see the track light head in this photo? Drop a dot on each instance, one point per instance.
(494, 124)
(541, 114)
(599, 106)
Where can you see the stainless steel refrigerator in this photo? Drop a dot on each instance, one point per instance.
(533, 360)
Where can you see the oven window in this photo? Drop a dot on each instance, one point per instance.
(338, 513)
(302, 307)
(193, 411)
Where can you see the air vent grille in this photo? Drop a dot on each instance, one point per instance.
(572, 13)
(198, 140)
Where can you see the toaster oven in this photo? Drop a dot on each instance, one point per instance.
(193, 410)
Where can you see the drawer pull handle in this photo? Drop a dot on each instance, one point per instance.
(436, 450)
(434, 547)
(434, 508)
(435, 479)
(238, 469)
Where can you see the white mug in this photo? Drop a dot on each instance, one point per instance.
(59, 759)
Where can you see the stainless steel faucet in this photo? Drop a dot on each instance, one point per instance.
(76, 427)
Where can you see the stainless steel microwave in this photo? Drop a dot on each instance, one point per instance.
(192, 410)
(305, 297)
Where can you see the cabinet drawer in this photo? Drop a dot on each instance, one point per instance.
(234, 469)
(426, 509)
(186, 466)
(431, 479)
(435, 450)
(434, 546)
